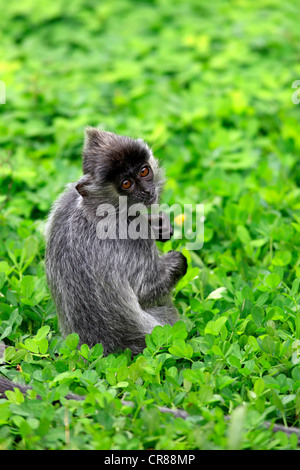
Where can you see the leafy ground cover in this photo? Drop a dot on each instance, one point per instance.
(209, 84)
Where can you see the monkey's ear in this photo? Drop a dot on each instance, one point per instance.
(96, 143)
(94, 138)
(83, 184)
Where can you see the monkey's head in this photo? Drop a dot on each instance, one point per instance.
(114, 166)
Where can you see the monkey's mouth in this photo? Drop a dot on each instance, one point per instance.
(152, 200)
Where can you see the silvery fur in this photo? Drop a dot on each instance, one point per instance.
(111, 291)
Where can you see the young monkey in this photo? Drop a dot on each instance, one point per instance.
(111, 291)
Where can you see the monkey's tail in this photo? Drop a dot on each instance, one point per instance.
(7, 384)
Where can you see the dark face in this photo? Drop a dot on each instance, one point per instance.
(138, 184)
(115, 166)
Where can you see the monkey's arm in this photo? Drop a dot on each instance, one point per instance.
(162, 279)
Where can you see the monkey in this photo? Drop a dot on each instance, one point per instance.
(110, 290)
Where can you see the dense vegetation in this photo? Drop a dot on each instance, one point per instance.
(209, 84)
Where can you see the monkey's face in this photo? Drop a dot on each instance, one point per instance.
(138, 185)
(117, 166)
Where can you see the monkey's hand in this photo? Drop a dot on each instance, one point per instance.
(176, 262)
(169, 268)
(161, 226)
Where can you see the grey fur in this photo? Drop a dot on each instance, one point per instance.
(109, 291)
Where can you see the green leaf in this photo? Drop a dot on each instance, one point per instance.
(295, 286)
(5, 268)
(84, 351)
(234, 361)
(259, 386)
(272, 280)
(181, 349)
(72, 341)
(258, 315)
(282, 258)
(31, 247)
(214, 327)
(205, 394)
(27, 285)
(31, 345)
(217, 294)
(235, 428)
(268, 344)
(5, 413)
(43, 346)
(191, 274)
(2, 279)
(42, 333)
(259, 242)
(243, 234)
(162, 335)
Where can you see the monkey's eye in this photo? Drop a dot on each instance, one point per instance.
(144, 171)
(126, 184)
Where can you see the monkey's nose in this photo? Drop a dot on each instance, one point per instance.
(146, 192)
